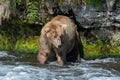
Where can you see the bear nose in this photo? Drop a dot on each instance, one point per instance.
(59, 46)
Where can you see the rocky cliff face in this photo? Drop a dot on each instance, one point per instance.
(4, 10)
(93, 23)
(103, 23)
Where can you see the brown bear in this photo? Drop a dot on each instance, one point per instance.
(59, 37)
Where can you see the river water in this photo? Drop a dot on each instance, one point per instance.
(15, 66)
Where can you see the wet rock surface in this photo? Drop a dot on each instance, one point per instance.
(104, 21)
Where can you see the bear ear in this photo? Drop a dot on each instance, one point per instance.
(47, 29)
(64, 26)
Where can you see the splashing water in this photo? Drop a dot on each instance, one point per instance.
(104, 69)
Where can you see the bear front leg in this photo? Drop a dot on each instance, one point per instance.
(61, 56)
(61, 59)
(42, 58)
(78, 56)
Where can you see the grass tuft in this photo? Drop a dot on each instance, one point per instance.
(26, 45)
(100, 50)
(31, 44)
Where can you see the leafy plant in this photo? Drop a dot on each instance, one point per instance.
(32, 11)
(95, 3)
(29, 45)
(100, 49)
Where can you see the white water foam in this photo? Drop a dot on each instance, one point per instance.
(105, 78)
(76, 71)
(80, 72)
(3, 53)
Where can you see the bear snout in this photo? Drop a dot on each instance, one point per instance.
(59, 46)
(57, 43)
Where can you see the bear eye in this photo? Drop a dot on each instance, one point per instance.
(48, 35)
(54, 36)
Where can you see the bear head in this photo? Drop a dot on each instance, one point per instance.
(54, 33)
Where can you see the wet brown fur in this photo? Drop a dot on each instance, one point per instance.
(64, 28)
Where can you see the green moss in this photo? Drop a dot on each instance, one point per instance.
(96, 3)
(4, 43)
(100, 50)
(26, 45)
(31, 45)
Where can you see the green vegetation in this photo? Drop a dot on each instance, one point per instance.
(31, 45)
(18, 35)
(28, 45)
(32, 10)
(100, 50)
(95, 3)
